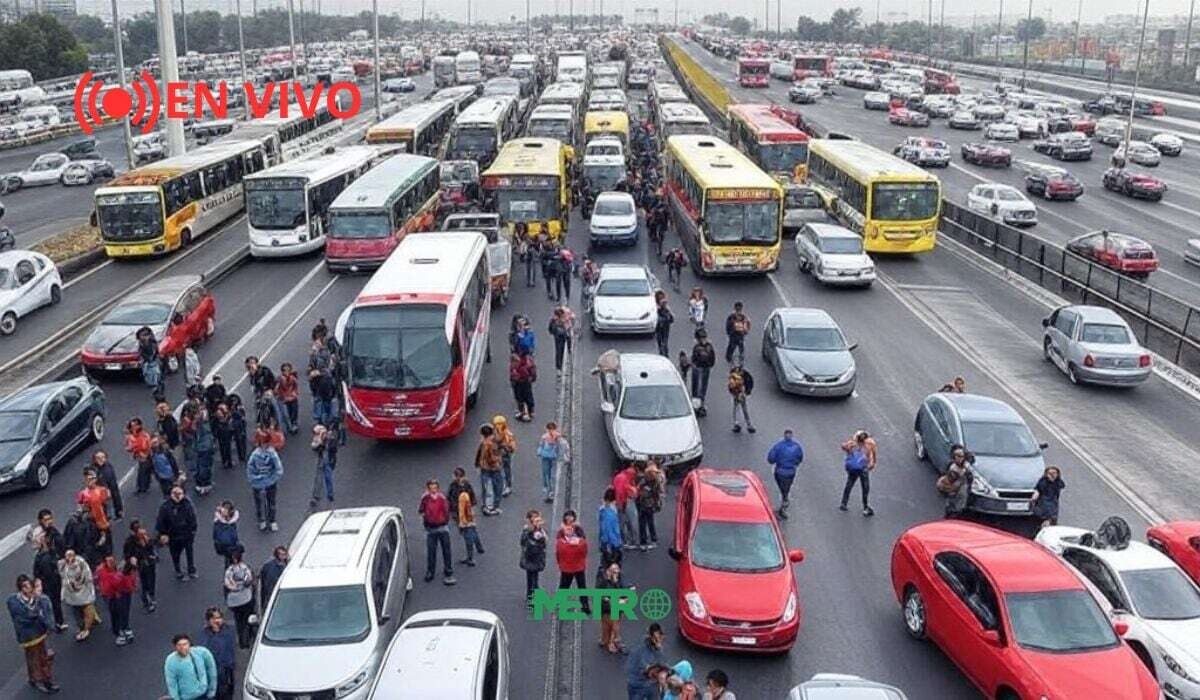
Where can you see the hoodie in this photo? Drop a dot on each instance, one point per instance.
(263, 468)
(786, 455)
(225, 533)
(570, 550)
(683, 669)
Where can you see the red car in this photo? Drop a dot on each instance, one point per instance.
(1180, 541)
(179, 310)
(1116, 251)
(904, 116)
(1134, 184)
(735, 586)
(1012, 616)
(1083, 124)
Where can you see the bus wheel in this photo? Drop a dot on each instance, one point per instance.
(185, 238)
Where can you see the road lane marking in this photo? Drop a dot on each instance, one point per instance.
(13, 541)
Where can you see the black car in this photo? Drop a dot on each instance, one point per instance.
(83, 149)
(986, 154)
(1102, 105)
(42, 426)
(1053, 184)
(1070, 145)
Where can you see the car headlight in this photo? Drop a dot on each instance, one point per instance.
(354, 411)
(695, 605)
(256, 691)
(980, 486)
(22, 465)
(1178, 669)
(353, 684)
(845, 376)
(789, 610)
(441, 412)
(692, 453)
(601, 314)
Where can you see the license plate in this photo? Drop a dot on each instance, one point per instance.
(403, 430)
(744, 641)
(1017, 506)
(112, 366)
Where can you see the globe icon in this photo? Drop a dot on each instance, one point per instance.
(655, 604)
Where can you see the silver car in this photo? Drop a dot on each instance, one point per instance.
(647, 411)
(841, 686)
(1093, 345)
(808, 353)
(623, 300)
(834, 255)
(801, 205)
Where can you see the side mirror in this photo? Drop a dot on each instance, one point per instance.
(674, 553)
(990, 637)
(607, 406)
(1046, 322)
(1120, 627)
(1043, 445)
(93, 220)
(852, 347)
(796, 555)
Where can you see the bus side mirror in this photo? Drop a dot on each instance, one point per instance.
(93, 220)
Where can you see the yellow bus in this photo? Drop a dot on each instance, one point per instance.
(421, 127)
(727, 211)
(607, 123)
(165, 205)
(894, 204)
(530, 182)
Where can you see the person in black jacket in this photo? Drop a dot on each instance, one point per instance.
(222, 429)
(737, 325)
(176, 526)
(141, 546)
(704, 356)
(550, 267)
(214, 394)
(45, 527)
(82, 535)
(662, 326)
(261, 376)
(269, 575)
(106, 475)
(533, 552)
(45, 569)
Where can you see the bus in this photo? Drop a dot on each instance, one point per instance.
(553, 121)
(939, 82)
(287, 206)
(753, 71)
(165, 205)
(563, 94)
(291, 137)
(467, 69)
(481, 129)
(529, 182)
(812, 66)
(727, 211)
(371, 216)
(607, 124)
(891, 202)
(773, 144)
(416, 338)
(443, 71)
(680, 118)
(461, 95)
(571, 67)
(421, 127)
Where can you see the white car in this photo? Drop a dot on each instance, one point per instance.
(877, 100)
(614, 219)
(1167, 144)
(833, 255)
(1002, 202)
(1028, 123)
(1140, 152)
(1001, 131)
(1141, 588)
(988, 112)
(448, 653)
(623, 300)
(28, 281)
(647, 410)
(46, 169)
(840, 686)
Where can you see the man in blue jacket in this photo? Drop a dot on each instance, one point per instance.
(649, 653)
(610, 530)
(32, 619)
(786, 456)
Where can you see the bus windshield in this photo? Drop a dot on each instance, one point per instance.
(473, 140)
(363, 223)
(276, 203)
(398, 346)
(551, 128)
(752, 223)
(904, 201)
(753, 69)
(527, 205)
(136, 216)
(782, 157)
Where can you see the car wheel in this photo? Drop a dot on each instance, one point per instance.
(1046, 349)
(8, 323)
(919, 446)
(914, 612)
(1071, 374)
(97, 428)
(38, 476)
(55, 294)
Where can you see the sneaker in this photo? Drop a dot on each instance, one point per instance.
(49, 688)
(737, 428)
(82, 635)
(507, 491)
(843, 507)
(549, 499)
(496, 511)
(428, 578)
(652, 545)
(450, 580)
(262, 526)
(129, 635)
(629, 546)
(643, 548)
(180, 576)
(468, 562)
(193, 575)
(62, 628)
(151, 607)
(274, 527)
(751, 430)
(867, 512)
(121, 640)
(479, 550)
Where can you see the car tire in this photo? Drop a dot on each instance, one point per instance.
(97, 428)
(185, 238)
(38, 476)
(55, 294)
(1071, 374)
(919, 447)
(1046, 349)
(8, 323)
(914, 613)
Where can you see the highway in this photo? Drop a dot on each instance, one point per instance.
(929, 319)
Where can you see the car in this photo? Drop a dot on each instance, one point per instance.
(833, 255)
(1069, 145)
(1003, 202)
(1101, 104)
(149, 147)
(877, 100)
(804, 93)
(179, 310)
(1014, 618)
(980, 153)
(862, 79)
(1029, 123)
(614, 220)
(1142, 590)
(989, 112)
(904, 116)
(964, 119)
(28, 281)
(1167, 144)
(1140, 152)
(808, 353)
(335, 608)
(449, 653)
(42, 426)
(843, 686)
(1053, 183)
(938, 107)
(1191, 251)
(1093, 345)
(1008, 460)
(623, 300)
(81, 149)
(399, 85)
(1110, 131)
(1134, 184)
(1179, 540)
(85, 172)
(1001, 131)
(647, 411)
(924, 150)
(486, 223)
(801, 205)
(46, 169)
(1116, 251)
(735, 588)
(1082, 123)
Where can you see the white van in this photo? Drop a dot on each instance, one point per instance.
(336, 606)
(458, 654)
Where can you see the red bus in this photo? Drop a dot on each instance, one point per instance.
(940, 82)
(775, 145)
(753, 72)
(812, 66)
(416, 337)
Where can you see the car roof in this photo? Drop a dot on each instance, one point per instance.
(623, 272)
(832, 231)
(32, 398)
(623, 196)
(734, 495)
(804, 316)
(165, 290)
(1136, 556)
(1016, 564)
(976, 408)
(839, 686)
(436, 653)
(647, 369)
(332, 548)
(1096, 314)
(10, 257)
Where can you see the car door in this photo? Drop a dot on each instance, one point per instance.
(1062, 332)
(25, 278)
(76, 422)
(979, 198)
(54, 431)
(610, 396)
(942, 436)
(383, 566)
(192, 314)
(972, 611)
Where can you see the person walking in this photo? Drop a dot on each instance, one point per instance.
(462, 500)
(491, 476)
(552, 446)
(79, 592)
(31, 619)
(662, 326)
(561, 332)
(222, 430)
(522, 373)
(162, 460)
(564, 266)
(676, 261)
(611, 541)
(45, 571)
(190, 671)
(270, 573)
(704, 357)
(106, 477)
(139, 547)
(740, 384)
(94, 499)
(435, 515)
(506, 441)
(176, 526)
(610, 623)
(219, 639)
(716, 686)
(533, 552)
(117, 584)
(649, 653)
(1045, 496)
(785, 456)
(166, 424)
(955, 483)
(264, 469)
(589, 276)
(150, 363)
(238, 585)
(570, 553)
(324, 388)
(225, 530)
(237, 426)
(137, 444)
(324, 445)
(549, 260)
(697, 307)
(860, 452)
(84, 537)
(287, 390)
(529, 252)
(737, 326)
(624, 484)
(648, 501)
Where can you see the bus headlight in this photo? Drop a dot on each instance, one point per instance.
(441, 412)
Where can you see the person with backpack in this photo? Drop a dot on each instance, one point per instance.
(224, 530)
(860, 452)
(202, 446)
(676, 261)
(740, 384)
(785, 456)
(533, 552)
(650, 485)
(550, 268)
(522, 373)
(560, 330)
(324, 445)
(506, 441)
(737, 326)
(139, 546)
(704, 357)
(31, 619)
(491, 475)
(462, 504)
(150, 363)
(164, 465)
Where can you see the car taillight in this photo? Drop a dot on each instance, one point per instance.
(1089, 361)
(1144, 361)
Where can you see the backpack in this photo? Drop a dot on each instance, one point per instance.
(162, 466)
(856, 459)
(740, 326)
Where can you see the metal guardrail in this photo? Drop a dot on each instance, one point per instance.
(1163, 323)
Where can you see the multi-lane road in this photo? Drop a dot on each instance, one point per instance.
(929, 319)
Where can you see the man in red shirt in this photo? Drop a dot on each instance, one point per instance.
(570, 551)
(435, 514)
(625, 485)
(95, 498)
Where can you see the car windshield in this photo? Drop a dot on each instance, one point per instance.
(1059, 621)
(1161, 594)
(623, 288)
(813, 339)
(753, 223)
(999, 439)
(369, 223)
(613, 207)
(840, 246)
(603, 178)
(654, 402)
(398, 346)
(1105, 334)
(310, 616)
(738, 547)
(1005, 195)
(42, 164)
(603, 149)
(17, 426)
(138, 313)
(904, 201)
(276, 203)
(802, 199)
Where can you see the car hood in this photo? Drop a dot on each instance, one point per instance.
(629, 308)
(12, 452)
(725, 593)
(296, 668)
(1010, 472)
(614, 221)
(1060, 673)
(658, 437)
(815, 364)
(117, 339)
(846, 261)
(801, 214)
(1179, 637)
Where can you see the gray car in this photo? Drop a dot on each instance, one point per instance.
(834, 255)
(801, 205)
(841, 686)
(808, 353)
(1008, 460)
(42, 426)
(1092, 344)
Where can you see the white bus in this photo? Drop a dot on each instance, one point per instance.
(443, 71)
(420, 127)
(678, 118)
(467, 68)
(481, 129)
(564, 94)
(571, 67)
(461, 95)
(288, 205)
(17, 89)
(291, 137)
(553, 121)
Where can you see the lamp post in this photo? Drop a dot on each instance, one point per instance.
(999, 31)
(1187, 37)
(241, 56)
(183, 18)
(121, 77)
(1078, 20)
(375, 20)
(1137, 74)
(292, 38)
(1025, 52)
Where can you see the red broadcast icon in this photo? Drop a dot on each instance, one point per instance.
(117, 103)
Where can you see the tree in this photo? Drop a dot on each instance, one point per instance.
(90, 31)
(1031, 29)
(843, 23)
(808, 29)
(739, 25)
(42, 45)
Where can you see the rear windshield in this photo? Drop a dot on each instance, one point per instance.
(1105, 334)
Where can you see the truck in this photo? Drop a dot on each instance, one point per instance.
(467, 68)
(444, 70)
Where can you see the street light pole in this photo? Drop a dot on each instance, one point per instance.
(528, 27)
(1187, 37)
(183, 16)
(999, 31)
(375, 20)
(1025, 53)
(1137, 74)
(121, 77)
(1078, 20)
(942, 31)
(929, 37)
(291, 38)
(241, 59)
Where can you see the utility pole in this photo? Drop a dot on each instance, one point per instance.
(375, 20)
(169, 69)
(241, 57)
(303, 40)
(1075, 50)
(1187, 37)
(676, 15)
(292, 37)
(942, 31)
(1025, 53)
(528, 27)
(929, 37)
(1137, 74)
(121, 78)
(999, 31)
(183, 16)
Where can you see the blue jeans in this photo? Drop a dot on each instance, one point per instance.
(628, 520)
(506, 467)
(324, 473)
(203, 475)
(435, 538)
(324, 411)
(548, 464)
(471, 541)
(493, 485)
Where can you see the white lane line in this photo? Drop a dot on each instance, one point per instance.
(88, 274)
(13, 541)
(1176, 207)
